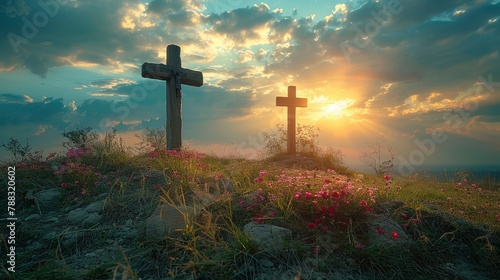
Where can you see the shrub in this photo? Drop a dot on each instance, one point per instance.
(81, 137)
(379, 156)
(16, 149)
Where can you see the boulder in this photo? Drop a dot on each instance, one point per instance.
(380, 229)
(48, 200)
(168, 220)
(269, 237)
(95, 207)
(92, 219)
(77, 216)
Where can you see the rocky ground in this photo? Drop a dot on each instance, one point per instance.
(121, 233)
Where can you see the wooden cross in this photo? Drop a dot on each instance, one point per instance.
(174, 75)
(291, 102)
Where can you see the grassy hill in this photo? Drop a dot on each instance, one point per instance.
(87, 214)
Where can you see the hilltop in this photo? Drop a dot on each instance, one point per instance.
(93, 214)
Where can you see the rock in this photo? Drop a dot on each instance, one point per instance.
(52, 220)
(92, 219)
(387, 207)
(153, 173)
(70, 238)
(101, 196)
(33, 217)
(77, 216)
(51, 235)
(29, 196)
(269, 237)
(227, 185)
(48, 200)
(95, 207)
(380, 223)
(168, 220)
(266, 263)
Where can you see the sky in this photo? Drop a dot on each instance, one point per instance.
(422, 74)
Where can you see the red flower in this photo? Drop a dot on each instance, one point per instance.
(156, 187)
(387, 177)
(404, 215)
(312, 226)
(359, 246)
(363, 203)
(335, 194)
(394, 235)
(328, 181)
(308, 195)
(258, 218)
(379, 230)
(325, 195)
(331, 211)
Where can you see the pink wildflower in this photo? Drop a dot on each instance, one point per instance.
(258, 180)
(380, 230)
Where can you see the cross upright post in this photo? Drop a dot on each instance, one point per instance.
(175, 76)
(292, 102)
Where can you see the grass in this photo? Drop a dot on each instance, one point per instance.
(322, 202)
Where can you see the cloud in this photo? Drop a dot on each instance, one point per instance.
(241, 25)
(69, 37)
(245, 56)
(15, 98)
(21, 113)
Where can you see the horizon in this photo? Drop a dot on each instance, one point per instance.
(424, 75)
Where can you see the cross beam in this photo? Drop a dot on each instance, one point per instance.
(291, 102)
(175, 76)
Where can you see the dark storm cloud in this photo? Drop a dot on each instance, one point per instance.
(84, 31)
(44, 113)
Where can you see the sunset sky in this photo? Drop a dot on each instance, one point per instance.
(423, 73)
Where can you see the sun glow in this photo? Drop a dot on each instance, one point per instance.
(338, 108)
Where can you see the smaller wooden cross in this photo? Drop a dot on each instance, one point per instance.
(174, 75)
(291, 102)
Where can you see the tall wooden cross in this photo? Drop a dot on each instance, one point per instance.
(291, 102)
(174, 75)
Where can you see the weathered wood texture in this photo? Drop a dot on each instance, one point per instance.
(292, 102)
(175, 76)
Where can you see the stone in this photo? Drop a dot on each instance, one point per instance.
(168, 220)
(266, 263)
(228, 185)
(33, 217)
(269, 237)
(51, 235)
(153, 173)
(387, 225)
(77, 216)
(48, 200)
(387, 207)
(95, 207)
(52, 220)
(92, 219)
